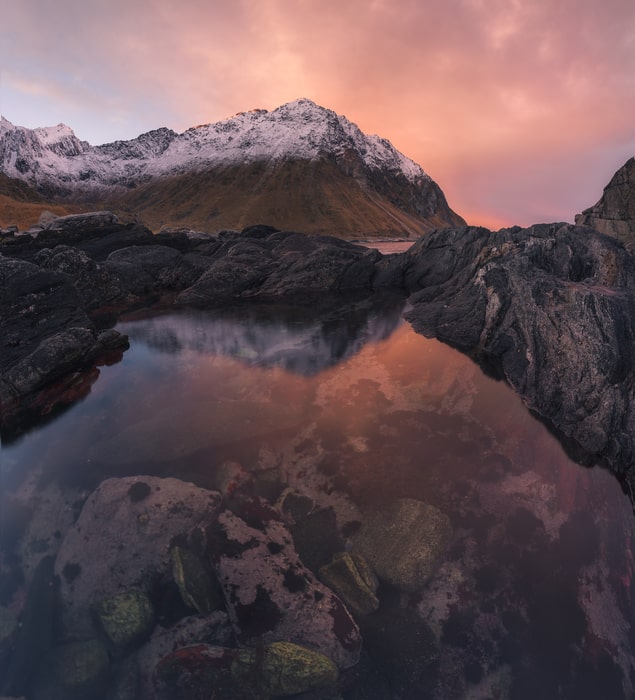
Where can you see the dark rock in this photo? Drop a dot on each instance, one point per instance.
(354, 582)
(267, 263)
(551, 310)
(195, 580)
(45, 334)
(95, 285)
(614, 214)
(213, 629)
(81, 668)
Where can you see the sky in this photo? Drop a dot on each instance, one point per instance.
(521, 110)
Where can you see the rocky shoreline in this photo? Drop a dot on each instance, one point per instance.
(549, 309)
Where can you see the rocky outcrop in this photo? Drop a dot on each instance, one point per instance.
(614, 213)
(45, 336)
(551, 310)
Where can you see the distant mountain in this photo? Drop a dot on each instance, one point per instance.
(614, 213)
(300, 166)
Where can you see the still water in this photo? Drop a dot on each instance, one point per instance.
(533, 596)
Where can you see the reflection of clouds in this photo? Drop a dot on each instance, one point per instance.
(267, 339)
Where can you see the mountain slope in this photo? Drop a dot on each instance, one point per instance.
(21, 205)
(614, 213)
(299, 166)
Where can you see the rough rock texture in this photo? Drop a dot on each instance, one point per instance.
(126, 618)
(268, 263)
(404, 542)
(45, 334)
(129, 524)
(551, 309)
(270, 594)
(354, 582)
(614, 214)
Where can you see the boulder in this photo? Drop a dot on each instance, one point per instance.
(129, 523)
(82, 667)
(403, 542)
(270, 594)
(195, 580)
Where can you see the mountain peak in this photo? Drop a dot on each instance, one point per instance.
(259, 151)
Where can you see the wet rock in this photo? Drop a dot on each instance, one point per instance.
(350, 576)
(282, 669)
(214, 629)
(550, 309)
(8, 628)
(197, 673)
(404, 542)
(270, 594)
(126, 618)
(129, 540)
(195, 580)
(81, 667)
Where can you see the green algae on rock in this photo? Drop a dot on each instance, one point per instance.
(403, 542)
(126, 618)
(281, 669)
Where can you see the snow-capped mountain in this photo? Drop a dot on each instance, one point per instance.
(132, 174)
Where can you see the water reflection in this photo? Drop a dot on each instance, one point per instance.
(534, 597)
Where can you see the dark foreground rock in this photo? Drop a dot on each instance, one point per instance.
(45, 336)
(551, 309)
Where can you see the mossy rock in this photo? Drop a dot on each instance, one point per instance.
(350, 576)
(404, 542)
(81, 665)
(126, 618)
(281, 669)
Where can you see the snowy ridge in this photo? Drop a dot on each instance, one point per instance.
(54, 156)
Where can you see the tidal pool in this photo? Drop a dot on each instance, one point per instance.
(533, 597)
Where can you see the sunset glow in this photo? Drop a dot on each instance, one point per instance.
(520, 111)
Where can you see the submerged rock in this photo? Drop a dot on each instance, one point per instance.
(270, 594)
(195, 580)
(126, 618)
(82, 667)
(403, 542)
(281, 669)
(354, 582)
(129, 523)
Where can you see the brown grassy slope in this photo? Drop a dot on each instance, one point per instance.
(308, 196)
(22, 206)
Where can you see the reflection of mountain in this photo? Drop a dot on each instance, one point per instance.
(269, 337)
